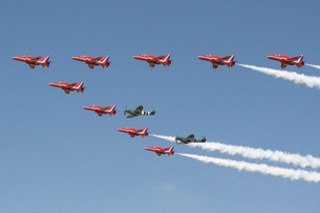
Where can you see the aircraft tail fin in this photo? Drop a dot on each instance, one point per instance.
(80, 87)
(300, 61)
(112, 107)
(112, 110)
(44, 61)
(144, 130)
(203, 139)
(296, 59)
(231, 58)
(230, 61)
(170, 149)
(104, 59)
(152, 112)
(166, 59)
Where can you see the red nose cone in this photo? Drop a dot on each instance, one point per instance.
(77, 58)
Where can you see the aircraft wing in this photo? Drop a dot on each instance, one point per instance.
(131, 115)
(68, 86)
(191, 136)
(181, 140)
(96, 59)
(224, 58)
(293, 59)
(160, 57)
(155, 59)
(138, 110)
(34, 60)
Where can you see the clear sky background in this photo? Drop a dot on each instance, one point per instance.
(57, 157)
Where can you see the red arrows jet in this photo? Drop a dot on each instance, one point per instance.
(92, 61)
(69, 87)
(153, 60)
(33, 61)
(216, 60)
(102, 110)
(286, 60)
(161, 151)
(135, 132)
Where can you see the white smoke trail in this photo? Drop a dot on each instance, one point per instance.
(261, 168)
(257, 153)
(313, 65)
(168, 138)
(310, 81)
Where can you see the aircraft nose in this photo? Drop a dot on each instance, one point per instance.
(15, 58)
(76, 58)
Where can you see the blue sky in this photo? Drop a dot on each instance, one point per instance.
(57, 157)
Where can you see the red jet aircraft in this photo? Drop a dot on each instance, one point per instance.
(286, 60)
(92, 61)
(161, 151)
(69, 87)
(216, 60)
(153, 60)
(135, 132)
(102, 110)
(33, 61)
